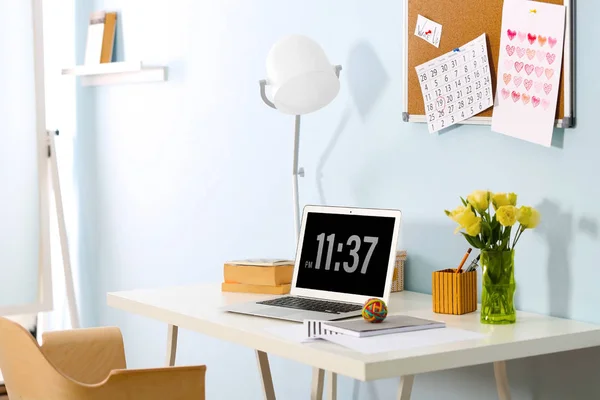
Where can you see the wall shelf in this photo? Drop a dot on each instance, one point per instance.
(117, 72)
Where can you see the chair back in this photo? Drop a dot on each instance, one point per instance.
(27, 373)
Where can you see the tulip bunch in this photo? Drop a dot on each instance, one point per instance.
(492, 231)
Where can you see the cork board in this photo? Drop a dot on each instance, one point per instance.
(463, 21)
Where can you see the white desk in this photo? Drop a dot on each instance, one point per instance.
(533, 334)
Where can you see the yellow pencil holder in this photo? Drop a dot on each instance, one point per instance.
(454, 293)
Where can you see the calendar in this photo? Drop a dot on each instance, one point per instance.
(456, 85)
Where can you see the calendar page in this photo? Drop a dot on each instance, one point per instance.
(456, 85)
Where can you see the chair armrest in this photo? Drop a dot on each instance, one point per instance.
(85, 355)
(173, 383)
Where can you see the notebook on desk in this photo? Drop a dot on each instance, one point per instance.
(344, 257)
(392, 324)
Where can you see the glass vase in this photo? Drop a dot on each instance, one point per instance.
(498, 287)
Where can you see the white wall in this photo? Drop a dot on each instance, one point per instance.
(177, 177)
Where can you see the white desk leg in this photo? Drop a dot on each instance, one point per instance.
(265, 375)
(405, 387)
(501, 380)
(316, 390)
(332, 389)
(172, 344)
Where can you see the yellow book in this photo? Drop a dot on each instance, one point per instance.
(258, 275)
(108, 39)
(262, 289)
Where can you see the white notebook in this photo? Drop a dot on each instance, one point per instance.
(392, 324)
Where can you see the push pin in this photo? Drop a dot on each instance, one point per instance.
(533, 11)
(456, 50)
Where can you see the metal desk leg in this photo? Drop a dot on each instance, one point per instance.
(332, 388)
(316, 391)
(501, 380)
(265, 375)
(405, 387)
(172, 344)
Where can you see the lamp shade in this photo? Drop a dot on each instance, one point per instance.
(300, 75)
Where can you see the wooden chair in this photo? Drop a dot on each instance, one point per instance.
(86, 364)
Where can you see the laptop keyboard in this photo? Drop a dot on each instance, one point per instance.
(300, 303)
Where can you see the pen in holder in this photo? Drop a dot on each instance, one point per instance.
(454, 293)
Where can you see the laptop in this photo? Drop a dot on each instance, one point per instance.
(344, 257)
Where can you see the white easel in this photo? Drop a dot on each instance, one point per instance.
(62, 230)
(48, 165)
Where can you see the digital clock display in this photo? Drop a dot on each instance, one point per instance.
(345, 253)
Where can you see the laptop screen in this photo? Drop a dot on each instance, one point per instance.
(345, 253)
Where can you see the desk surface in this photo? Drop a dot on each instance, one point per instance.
(197, 308)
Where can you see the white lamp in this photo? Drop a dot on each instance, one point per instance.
(302, 81)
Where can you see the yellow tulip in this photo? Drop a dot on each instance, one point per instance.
(456, 212)
(507, 215)
(504, 199)
(466, 219)
(475, 228)
(528, 217)
(479, 199)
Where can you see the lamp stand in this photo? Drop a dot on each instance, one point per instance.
(296, 172)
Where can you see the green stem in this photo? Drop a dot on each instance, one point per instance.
(518, 235)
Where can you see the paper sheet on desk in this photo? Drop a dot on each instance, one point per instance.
(383, 343)
(404, 341)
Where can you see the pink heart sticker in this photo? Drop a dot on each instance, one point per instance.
(539, 86)
(549, 73)
(525, 98)
(531, 37)
(522, 36)
(518, 66)
(550, 57)
(520, 52)
(535, 101)
(516, 96)
(529, 69)
(552, 41)
(505, 93)
(510, 49)
(528, 83)
(517, 80)
(508, 65)
(507, 78)
(539, 71)
(547, 88)
(511, 34)
(541, 55)
(530, 54)
(545, 104)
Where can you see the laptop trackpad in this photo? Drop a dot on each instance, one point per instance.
(276, 311)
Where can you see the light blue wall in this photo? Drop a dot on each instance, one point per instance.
(19, 159)
(178, 177)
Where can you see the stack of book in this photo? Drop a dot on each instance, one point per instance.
(267, 276)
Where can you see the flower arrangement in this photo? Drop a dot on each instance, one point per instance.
(485, 231)
(491, 233)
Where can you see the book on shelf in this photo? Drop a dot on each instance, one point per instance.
(259, 275)
(392, 324)
(258, 289)
(100, 37)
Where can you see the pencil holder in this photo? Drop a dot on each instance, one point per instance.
(398, 280)
(454, 293)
